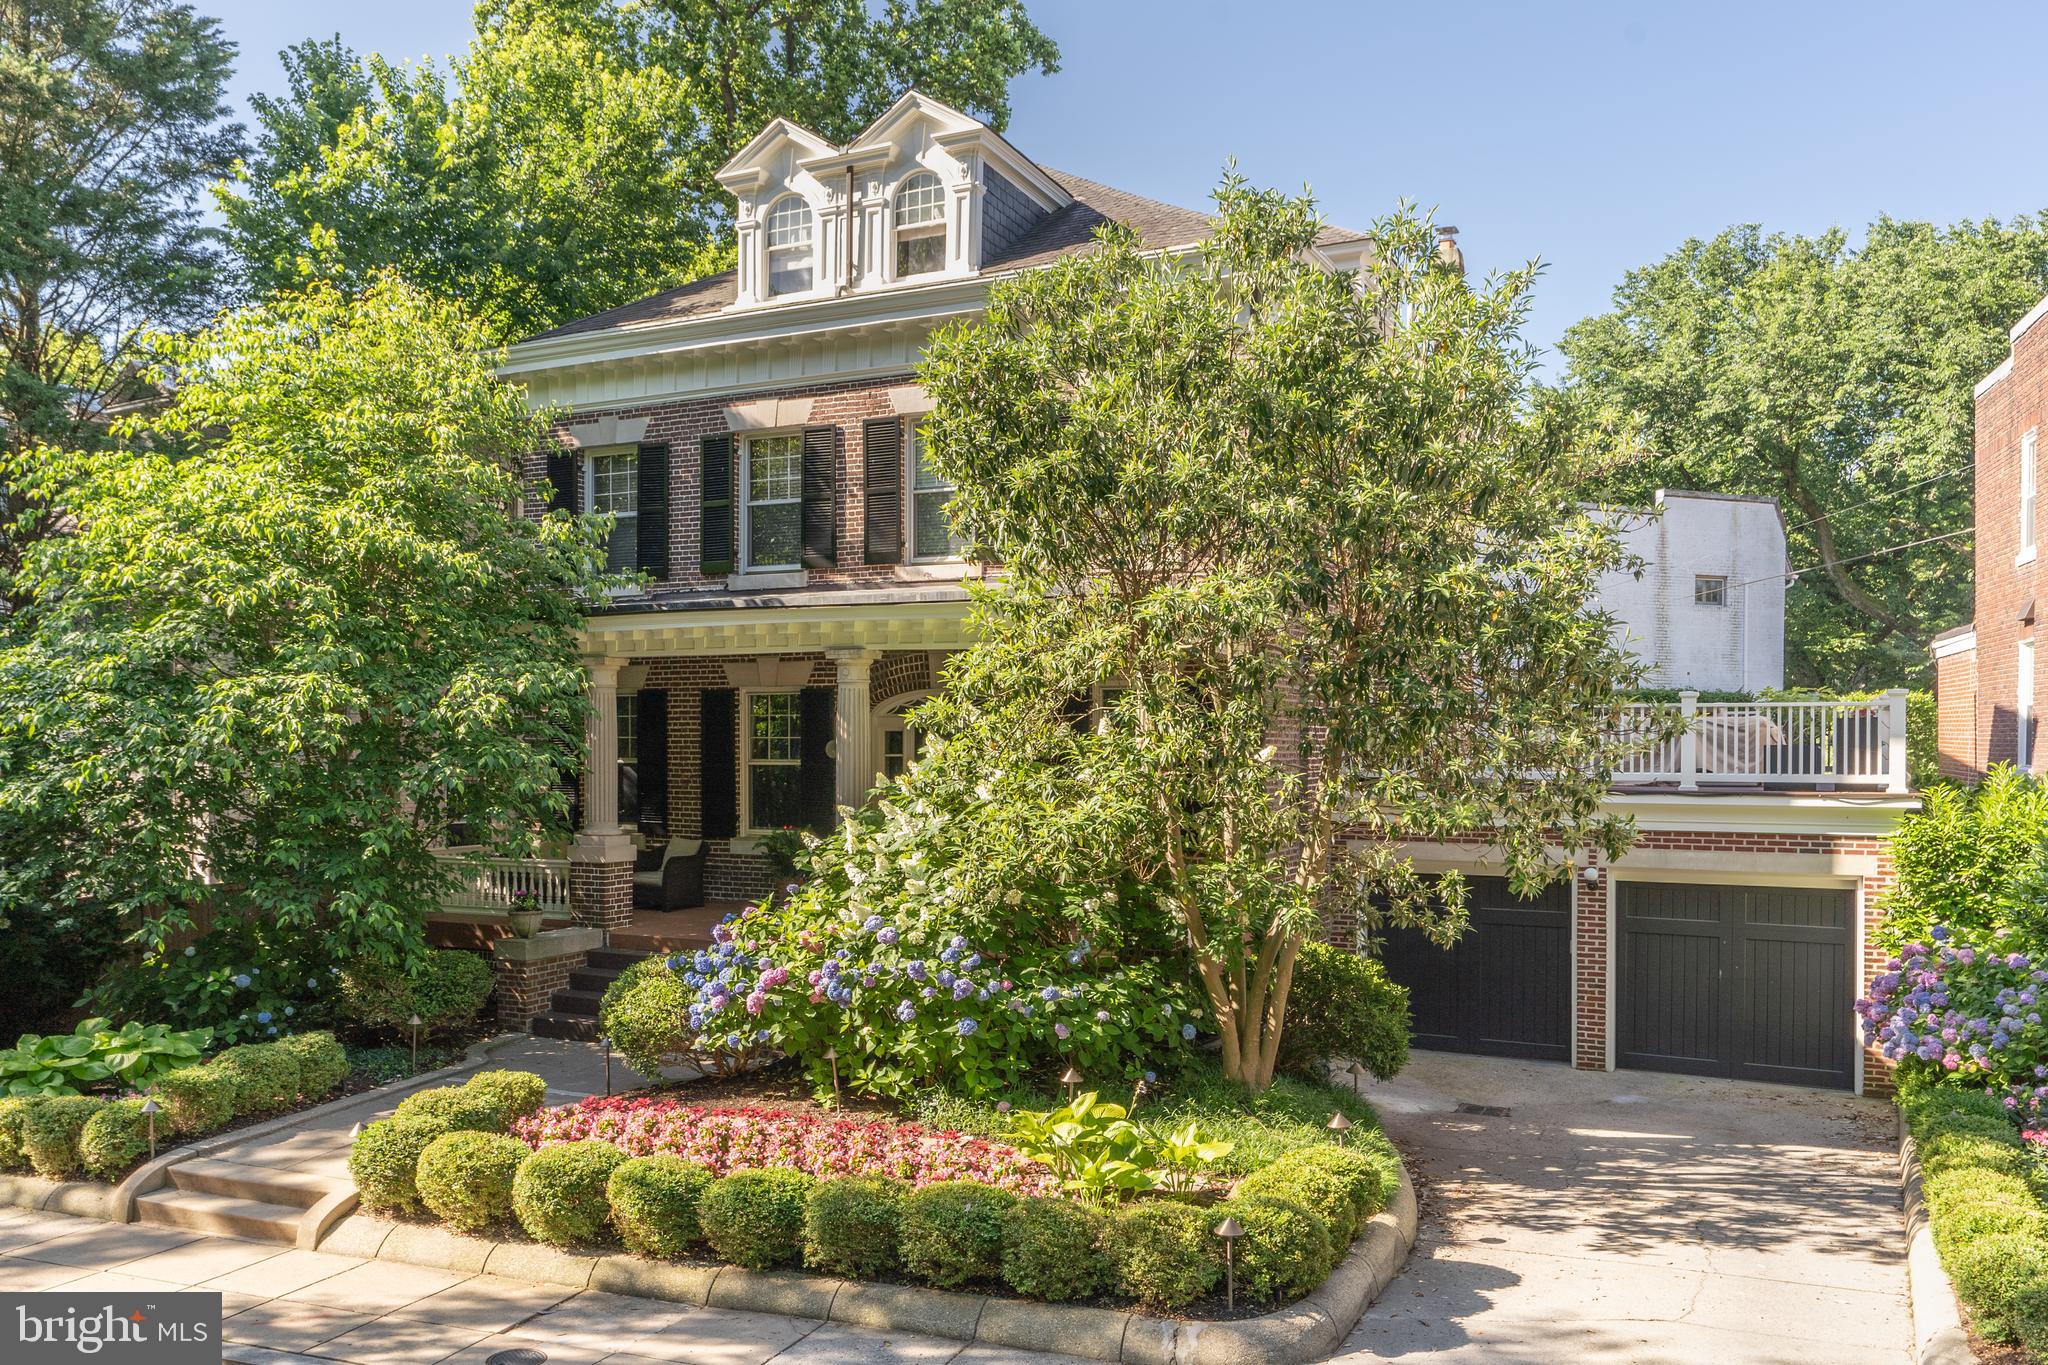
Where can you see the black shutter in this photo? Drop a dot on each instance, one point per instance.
(652, 467)
(821, 500)
(565, 481)
(818, 774)
(718, 758)
(714, 505)
(882, 486)
(651, 737)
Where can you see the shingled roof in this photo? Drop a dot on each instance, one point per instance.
(1064, 232)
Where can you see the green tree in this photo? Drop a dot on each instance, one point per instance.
(565, 165)
(265, 674)
(1837, 380)
(110, 126)
(1335, 579)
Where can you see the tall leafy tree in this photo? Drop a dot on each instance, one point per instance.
(1837, 379)
(1335, 579)
(264, 675)
(111, 125)
(565, 164)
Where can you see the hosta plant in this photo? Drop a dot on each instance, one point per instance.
(95, 1053)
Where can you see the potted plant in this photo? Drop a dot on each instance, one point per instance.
(525, 914)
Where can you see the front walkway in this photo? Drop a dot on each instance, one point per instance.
(1636, 1217)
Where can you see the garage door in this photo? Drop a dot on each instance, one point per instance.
(1752, 982)
(1505, 987)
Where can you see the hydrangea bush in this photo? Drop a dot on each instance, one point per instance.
(1972, 1012)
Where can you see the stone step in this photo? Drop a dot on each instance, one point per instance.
(220, 1215)
(591, 979)
(574, 1028)
(580, 1003)
(612, 959)
(256, 1184)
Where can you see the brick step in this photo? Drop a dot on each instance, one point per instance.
(256, 1184)
(574, 1028)
(612, 959)
(582, 1004)
(220, 1215)
(591, 979)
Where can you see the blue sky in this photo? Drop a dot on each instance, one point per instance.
(1595, 136)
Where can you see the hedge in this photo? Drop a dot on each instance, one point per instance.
(559, 1193)
(852, 1226)
(953, 1232)
(653, 1201)
(756, 1218)
(465, 1177)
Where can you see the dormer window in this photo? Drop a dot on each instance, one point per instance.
(920, 226)
(789, 246)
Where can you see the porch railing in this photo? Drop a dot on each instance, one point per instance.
(497, 883)
(1806, 744)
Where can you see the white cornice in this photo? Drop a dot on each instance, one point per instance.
(1873, 813)
(2034, 315)
(1958, 642)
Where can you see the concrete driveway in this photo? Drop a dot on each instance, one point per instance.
(1641, 1218)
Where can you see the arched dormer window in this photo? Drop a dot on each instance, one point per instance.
(920, 226)
(789, 246)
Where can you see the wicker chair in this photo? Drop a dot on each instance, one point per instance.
(670, 877)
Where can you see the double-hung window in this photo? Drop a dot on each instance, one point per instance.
(920, 226)
(2029, 493)
(615, 488)
(773, 514)
(931, 532)
(774, 760)
(789, 246)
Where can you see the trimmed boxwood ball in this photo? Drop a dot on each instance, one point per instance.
(756, 1218)
(50, 1133)
(851, 1226)
(653, 1201)
(1052, 1250)
(1165, 1253)
(953, 1232)
(266, 1077)
(1355, 1170)
(114, 1139)
(516, 1093)
(385, 1159)
(465, 1178)
(13, 1113)
(559, 1193)
(1320, 1192)
(641, 1013)
(1991, 1273)
(1285, 1250)
(197, 1099)
(456, 1106)
(323, 1063)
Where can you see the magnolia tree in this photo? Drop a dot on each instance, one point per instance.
(1291, 577)
(301, 627)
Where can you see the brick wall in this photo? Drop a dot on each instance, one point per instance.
(1961, 755)
(525, 989)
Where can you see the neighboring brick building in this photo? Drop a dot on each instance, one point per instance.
(1985, 672)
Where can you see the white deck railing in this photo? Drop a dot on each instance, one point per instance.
(1772, 744)
(499, 883)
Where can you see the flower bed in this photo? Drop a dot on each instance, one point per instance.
(724, 1140)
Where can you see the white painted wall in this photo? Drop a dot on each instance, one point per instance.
(1736, 647)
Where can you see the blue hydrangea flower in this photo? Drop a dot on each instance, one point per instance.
(972, 962)
(967, 1028)
(263, 1016)
(1050, 993)
(873, 923)
(190, 951)
(915, 969)
(886, 937)
(241, 980)
(927, 993)
(905, 1011)
(1151, 1076)
(1187, 1031)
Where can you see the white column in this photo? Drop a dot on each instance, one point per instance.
(1895, 736)
(601, 747)
(1689, 742)
(852, 726)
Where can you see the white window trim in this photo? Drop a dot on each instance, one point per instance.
(768, 250)
(1716, 606)
(746, 480)
(2029, 498)
(942, 228)
(748, 829)
(587, 473)
(2023, 706)
(911, 441)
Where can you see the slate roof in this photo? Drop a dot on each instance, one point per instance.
(1063, 232)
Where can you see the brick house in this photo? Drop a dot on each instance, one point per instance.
(1984, 682)
(756, 435)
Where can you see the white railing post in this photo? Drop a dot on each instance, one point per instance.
(1688, 742)
(1895, 702)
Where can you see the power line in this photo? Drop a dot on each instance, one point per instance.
(1793, 574)
(1932, 478)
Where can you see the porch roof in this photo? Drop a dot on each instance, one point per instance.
(790, 623)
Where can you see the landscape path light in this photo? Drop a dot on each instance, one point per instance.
(1070, 1078)
(607, 1041)
(414, 1024)
(151, 1108)
(1340, 1126)
(832, 1056)
(1230, 1230)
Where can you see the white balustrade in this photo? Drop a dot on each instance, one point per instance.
(507, 883)
(1801, 744)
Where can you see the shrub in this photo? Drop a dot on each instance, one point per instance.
(1358, 1169)
(1165, 1253)
(1991, 1273)
(756, 1218)
(1343, 1004)
(1052, 1250)
(114, 1138)
(1320, 1192)
(323, 1062)
(465, 1177)
(446, 987)
(198, 1099)
(1967, 1185)
(1924, 1101)
(559, 1193)
(1285, 1250)
(851, 1226)
(654, 1200)
(1953, 1150)
(13, 1114)
(516, 1093)
(456, 1107)
(50, 1133)
(266, 1077)
(643, 1012)
(385, 1161)
(2030, 1316)
(953, 1232)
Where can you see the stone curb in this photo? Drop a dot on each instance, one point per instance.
(1298, 1333)
(116, 1203)
(1938, 1335)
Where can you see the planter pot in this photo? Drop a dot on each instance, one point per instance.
(525, 923)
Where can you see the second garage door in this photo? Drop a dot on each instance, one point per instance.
(1751, 982)
(1504, 988)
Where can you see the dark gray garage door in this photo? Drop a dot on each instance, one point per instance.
(1505, 987)
(1752, 982)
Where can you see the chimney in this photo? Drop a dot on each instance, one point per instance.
(1447, 252)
